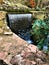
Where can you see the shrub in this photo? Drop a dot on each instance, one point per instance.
(40, 32)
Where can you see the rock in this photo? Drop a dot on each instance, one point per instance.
(6, 46)
(3, 55)
(7, 2)
(17, 60)
(1, 31)
(33, 62)
(14, 50)
(4, 29)
(1, 23)
(1, 7)
(8, 59)
(39, 61)
(28, 62)
(45, 64)
(40, 16)
(8, 33)
(25, 54)
(40, 54)
(1, 38)
(2, 15)
(20, 61)
(9, 6)
(33, 48)
(19, 5)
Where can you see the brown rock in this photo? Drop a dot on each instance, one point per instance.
(28, 62)
(17, 60)
(40, 54)
(33, 62)
(25, 54)
(1, 31)
(45, 64)
(6, 46)
(39, 61)
(3, 55)
(2, 15)
(33, 48)
(8, 59)
(1, 39)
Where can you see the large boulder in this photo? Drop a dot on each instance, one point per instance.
(15, 50)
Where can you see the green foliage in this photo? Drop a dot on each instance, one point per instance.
(40, 32)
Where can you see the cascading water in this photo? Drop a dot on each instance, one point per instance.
(21, 25)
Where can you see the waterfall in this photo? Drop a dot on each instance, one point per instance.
(21, 25)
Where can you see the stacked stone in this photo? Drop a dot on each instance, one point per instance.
(4, 29)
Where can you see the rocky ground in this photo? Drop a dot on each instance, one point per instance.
(15, 51)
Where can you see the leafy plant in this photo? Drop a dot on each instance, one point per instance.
(40, 32)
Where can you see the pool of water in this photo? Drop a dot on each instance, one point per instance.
(25, 35)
